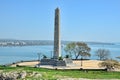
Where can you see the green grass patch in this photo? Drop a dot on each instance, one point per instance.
(55, 74)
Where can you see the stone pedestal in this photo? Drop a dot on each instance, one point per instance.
(52, 62)
(68, 60)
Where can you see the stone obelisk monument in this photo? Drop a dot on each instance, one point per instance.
(57, 44)
(57, 41)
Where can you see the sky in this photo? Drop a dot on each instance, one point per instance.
(80, 20)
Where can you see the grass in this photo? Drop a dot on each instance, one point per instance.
(55, 74)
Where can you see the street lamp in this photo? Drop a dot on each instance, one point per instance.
(62, 46)
(39, 56)
(81, 62)
(51, 54)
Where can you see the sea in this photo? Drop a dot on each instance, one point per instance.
(10, 55)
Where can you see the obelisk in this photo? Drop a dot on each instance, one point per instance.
(57, 41)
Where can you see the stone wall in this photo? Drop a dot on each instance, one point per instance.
(52, 62)
(60, 63)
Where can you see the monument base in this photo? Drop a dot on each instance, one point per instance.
(68, 60)
(53, 62)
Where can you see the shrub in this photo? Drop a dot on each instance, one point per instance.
(44, 56)
(110, 64)
(67, 56)
(60, 58)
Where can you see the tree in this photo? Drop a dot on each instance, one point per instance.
(78, 49)
(102, 54)
(70, 48)
(110, 64)
(82, 50)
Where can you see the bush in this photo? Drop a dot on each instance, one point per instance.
(60, 58)
(110, 65)
(67, 56)
(44, 56)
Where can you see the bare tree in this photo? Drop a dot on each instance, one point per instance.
(102, 54)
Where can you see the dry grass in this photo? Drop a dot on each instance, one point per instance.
(86, 64)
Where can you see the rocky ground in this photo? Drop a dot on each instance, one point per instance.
(23, 75)
(18, 75)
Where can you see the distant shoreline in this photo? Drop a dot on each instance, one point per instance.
(15, 43)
